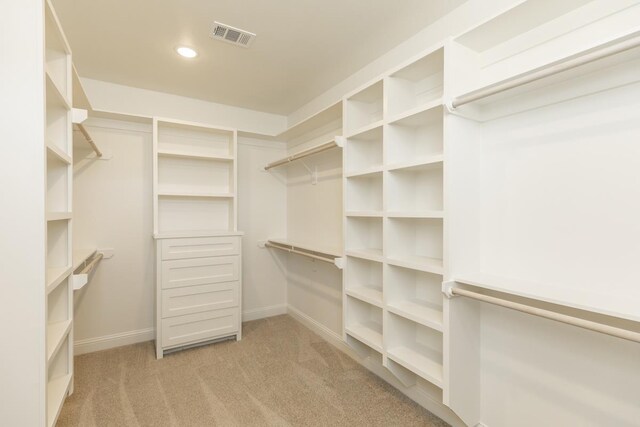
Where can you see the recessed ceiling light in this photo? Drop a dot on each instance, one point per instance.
(187, 52)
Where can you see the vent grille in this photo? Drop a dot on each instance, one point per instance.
(231, 35)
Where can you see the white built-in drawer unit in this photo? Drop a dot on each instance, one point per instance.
(199, 290)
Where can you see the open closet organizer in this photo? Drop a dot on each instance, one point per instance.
(456, 200)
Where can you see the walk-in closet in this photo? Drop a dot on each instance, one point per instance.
(320, 213)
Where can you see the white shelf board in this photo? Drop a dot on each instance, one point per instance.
(187, 155)
(366, 333)
(420, 263)
(365, 129)
(53, 89)
(436, 103)
(419, 312)
(375, 170)
(615, 304)
(334, 252)
(196, 233)
(315, 121)
(195, 195)
(417, 363)
(58, 216)
(370, 254)
(58, 153)
(417, 215)
(364, 214)
(80, 256)
(368, 295)
(55, 276)
(56, 334)
(420, 164)
(57, 390)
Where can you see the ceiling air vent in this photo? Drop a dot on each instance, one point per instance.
(231, 35)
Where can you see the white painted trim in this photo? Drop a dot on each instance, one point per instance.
(414, 393)
(99, 122)
(262, 312)
(106, 342)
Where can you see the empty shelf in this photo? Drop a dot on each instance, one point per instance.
(372, 254)
(55, 276)
(56, 391)
(367, 214)
(192, 155)
(418, 311)
(80, 256)
(58, 216)
(191, 194)
(420, 263)
(58, 153)
(417, 363)
(421, 164)
(368, 295)
(56, 334)
(420, 215)
(367, 333)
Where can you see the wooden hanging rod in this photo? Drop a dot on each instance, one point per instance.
(305, 153)
(582, 58)
(320, 256)
(88, 268)
(547, 314)
(86, 135)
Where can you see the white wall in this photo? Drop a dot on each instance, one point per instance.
(112, 97)
(262, 214)
(22, 245)
(113, 209)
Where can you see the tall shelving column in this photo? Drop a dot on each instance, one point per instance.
(199, 287)
(59, 178)
(394, 221)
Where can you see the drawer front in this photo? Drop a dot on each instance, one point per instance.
(196, 299)
(194, 328)
(200, 247)
(199, 271)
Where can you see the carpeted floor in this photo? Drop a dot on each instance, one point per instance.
(280, 374)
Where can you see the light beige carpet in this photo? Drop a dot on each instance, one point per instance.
(280, 374)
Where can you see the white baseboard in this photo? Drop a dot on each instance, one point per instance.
(414, 393)
(106, 342)
(262, 312)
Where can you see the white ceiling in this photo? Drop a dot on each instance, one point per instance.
(303, 47)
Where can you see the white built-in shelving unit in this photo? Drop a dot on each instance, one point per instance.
(394, 221)
(198, 247)
(194, 177)
(59, 178)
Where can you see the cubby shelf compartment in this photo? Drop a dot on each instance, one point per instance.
(415, 295)
(417, 215)
(363, 153)
(415, 243)
(364, 237)
(180, 212)
(364, 193)
(416, 347)
(364, 322)
(363, 280)
(56, 334)
(415, 85)
(194, 139)
(364, 108)
(416, 138)
(417, 189)
(54, 94)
